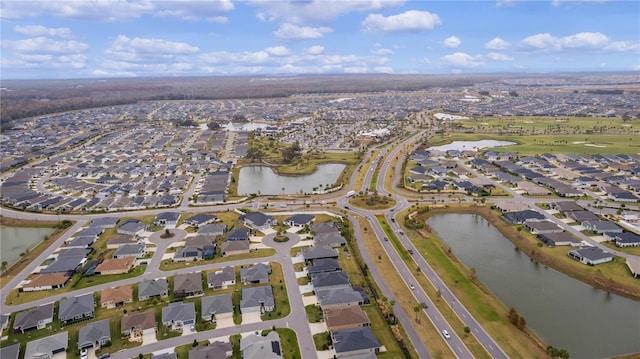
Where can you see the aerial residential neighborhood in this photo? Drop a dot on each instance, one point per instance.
(319, 179)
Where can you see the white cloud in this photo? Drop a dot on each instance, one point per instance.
(314, 50)
(494, 56)
(409, 21)
(117, 10)
(218, 19)
(139, 48)
(541, 42)
(290, 32)
(379, 50)
(44, 45)
(315, 12)
(193, 10)
(558, 3)
(39, 30)
(237, 58)
(461, 59)
(497, 44)
(452, 42)
(277, 51)
(595, 41)
(584, 40)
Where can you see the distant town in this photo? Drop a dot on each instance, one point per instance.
(302, 217)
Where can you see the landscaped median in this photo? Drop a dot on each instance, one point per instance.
(425, 328)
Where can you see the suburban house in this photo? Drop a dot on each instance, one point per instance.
(590, 255)
(90, 232)
(178, 314)
(116, 297)
(258, 274)
(65, 262)
(602, 226)
(216, 307)
(325, 227)
(331, 239)
(10, 351)
(81, 242)
(189, 254)
(201, 219)
(49, 281)
(230, 248)
(258, 220)
(256, 299)
(581, 216)
(558, 239)
(45, 348)
(76, 308)
(624, 239)
(323, 265)
(104, 222)
(345, 318)
(167, 219)
(136, 324)
(214, 350)
(148, 289)
(299, 220)
(521, 217)
(330, 298)
(238, 234)
(33, 319)
(221, 279)
(337, 279)
(543, 227)
(257, 346)
(317, 252)
(130, 250)
(356, 341)
(131, 227)
(213, 229)
(94, 335)
(115, 266)
(187, 285)
(121, 240)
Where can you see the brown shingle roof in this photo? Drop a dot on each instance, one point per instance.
(49, 279)
(119, 294)
(115, 264)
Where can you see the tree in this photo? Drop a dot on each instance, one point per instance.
(4, 265)
(521, 322)
(416, 309)
(291, 153)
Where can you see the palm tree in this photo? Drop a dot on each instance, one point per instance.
(416, 310)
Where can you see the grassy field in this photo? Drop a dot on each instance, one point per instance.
(538, 144)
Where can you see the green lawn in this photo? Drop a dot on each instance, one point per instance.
(279, 293)
(288, 343)
(314, 313)
(322, 340)
(168, 265)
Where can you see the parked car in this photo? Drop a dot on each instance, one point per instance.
(104, 356)
(84, 353)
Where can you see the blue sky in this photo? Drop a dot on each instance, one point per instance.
(111, 38)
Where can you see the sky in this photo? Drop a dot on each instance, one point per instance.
(54, 39)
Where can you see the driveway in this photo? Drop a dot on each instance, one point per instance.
(317, 328)
(149, 338)
(309, 300)
(307, 288)
(252, 317)
(224, 323)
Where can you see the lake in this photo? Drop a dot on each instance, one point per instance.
(562, 311)
(16, 240)
(263, 180)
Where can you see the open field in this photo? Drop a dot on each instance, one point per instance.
(538, 144)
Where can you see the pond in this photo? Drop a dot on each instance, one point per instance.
(471, 145)
(263, 180)
(564, 312)
(16, 240)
